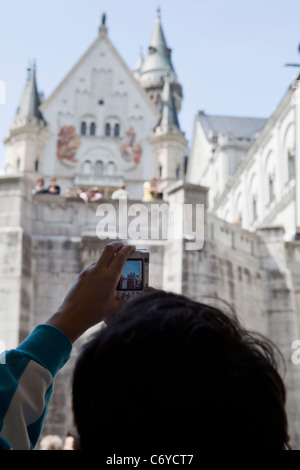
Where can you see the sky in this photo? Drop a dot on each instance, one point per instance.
(229, 55)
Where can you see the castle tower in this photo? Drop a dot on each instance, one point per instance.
(26, 139)
(152, 71)
(168, 141)
(139, 64)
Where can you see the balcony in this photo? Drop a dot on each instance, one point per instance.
(103, 181)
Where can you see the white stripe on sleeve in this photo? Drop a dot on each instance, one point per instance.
(27, 405)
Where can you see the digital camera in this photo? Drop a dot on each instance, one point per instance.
(135, 275)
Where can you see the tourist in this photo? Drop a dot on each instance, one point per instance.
(82, 194)
(168, 374)
(39, 187)
(94, 194)
(53, 188)
(69, 192)
(120, 193)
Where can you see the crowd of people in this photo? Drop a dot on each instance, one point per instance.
(90, 195)
(40, 188)
(151, 191)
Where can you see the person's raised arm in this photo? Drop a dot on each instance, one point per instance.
(27, 372)
(92, 297)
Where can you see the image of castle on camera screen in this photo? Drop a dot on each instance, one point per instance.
(132, 276)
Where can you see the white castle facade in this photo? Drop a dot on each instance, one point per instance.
(105, 126)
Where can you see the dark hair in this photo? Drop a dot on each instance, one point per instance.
(172, 373)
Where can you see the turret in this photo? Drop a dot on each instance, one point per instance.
(167, 139)
(26, 139)
(157, 65)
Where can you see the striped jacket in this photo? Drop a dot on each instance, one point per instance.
(26, 384)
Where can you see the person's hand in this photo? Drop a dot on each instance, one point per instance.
(92, 296)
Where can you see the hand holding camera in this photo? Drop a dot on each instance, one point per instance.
(92, 296)
(134, 279)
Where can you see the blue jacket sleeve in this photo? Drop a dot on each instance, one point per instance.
(26, 384)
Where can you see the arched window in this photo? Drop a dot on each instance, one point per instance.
(269, 179)
(291, 164)
(87, 167)
(36, 165)
(117, 130)
(99, 167)
(111, 169)
(107, 129)
(253, 198)
(271, 188)
(254, 208)
(83, 128)
(289, 151)
(93, 128)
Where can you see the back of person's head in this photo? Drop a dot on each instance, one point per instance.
(171, 373)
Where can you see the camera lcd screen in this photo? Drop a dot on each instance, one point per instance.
(132, 276)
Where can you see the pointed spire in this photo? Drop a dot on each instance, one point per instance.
(168, 120)
(159, 55)
(30, 101)
(139, 64)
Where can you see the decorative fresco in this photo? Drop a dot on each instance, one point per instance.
(131, 150)
(67, 144)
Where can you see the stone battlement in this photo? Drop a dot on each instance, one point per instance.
(45, 241)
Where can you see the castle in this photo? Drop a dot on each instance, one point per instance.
(104, 126)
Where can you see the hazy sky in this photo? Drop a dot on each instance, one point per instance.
(229, 55)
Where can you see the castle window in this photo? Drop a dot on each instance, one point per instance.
(107, 129)
(87, 167)
(291, 165)
(254, 208)
(18, 164)
(99, 167)
(185, 164)
(271, 188)
(101, 102)
(160, 170)
(36, 165)
(178, 173)
(93, 128)
(117, 130)
(83, 128)
(111, 169)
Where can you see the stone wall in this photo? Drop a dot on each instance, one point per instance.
(45, 241)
